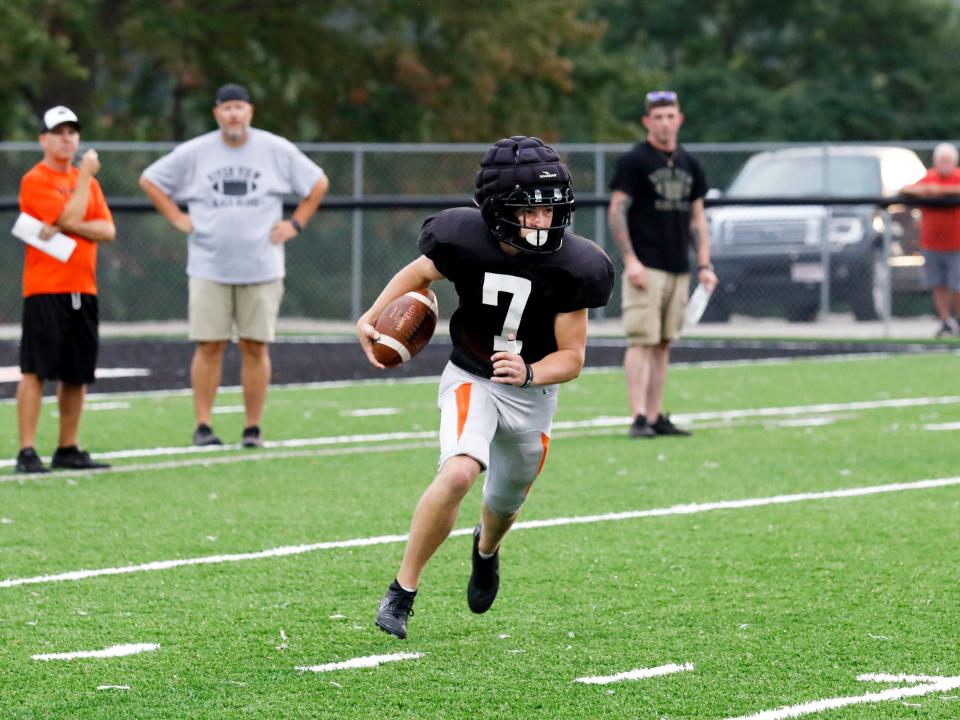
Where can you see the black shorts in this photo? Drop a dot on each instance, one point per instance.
(60, 337)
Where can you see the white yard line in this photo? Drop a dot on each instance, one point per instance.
(228, 409)
(818, 706)
(686, 509)
(110, 652)
(361, 662)
(247, 456)
(370, 412)
(420, 380)
(603, 421)
(11, 373)
(900, 678)
(939, 427)
(637, 674)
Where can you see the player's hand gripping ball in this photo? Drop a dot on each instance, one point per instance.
(406, 326)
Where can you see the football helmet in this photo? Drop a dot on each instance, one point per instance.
(524, 173)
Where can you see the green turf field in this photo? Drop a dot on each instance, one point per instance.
(778, 602)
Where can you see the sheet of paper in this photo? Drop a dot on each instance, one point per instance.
(696, 305)
(27, 228)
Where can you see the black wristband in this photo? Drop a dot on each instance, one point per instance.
(296, 225)
(526, 383)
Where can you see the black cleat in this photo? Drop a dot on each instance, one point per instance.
(251, 437)
(29, 462)
(73, 458)
(640, 428)
(203, 435)
(663, 426)
(395, 607)
(484, 579)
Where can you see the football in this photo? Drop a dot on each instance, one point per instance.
(406, 326)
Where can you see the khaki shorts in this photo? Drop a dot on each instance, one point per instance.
(654, 313)
(215, 308)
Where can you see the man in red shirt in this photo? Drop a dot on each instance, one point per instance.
(60, 319)
(940, 236)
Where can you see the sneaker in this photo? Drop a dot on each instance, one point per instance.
(203, 435)
(251, 437)
(484, 579)
(395, 607)
(663, 426)
(948, 328)
(29, 462)
(640, 428)
(73, 458)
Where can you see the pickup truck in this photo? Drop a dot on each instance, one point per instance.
(772, 260)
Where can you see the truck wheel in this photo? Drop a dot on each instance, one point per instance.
(801, 313)
(867, 296)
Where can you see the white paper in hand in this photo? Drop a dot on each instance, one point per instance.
(27, 228)
(697, 304)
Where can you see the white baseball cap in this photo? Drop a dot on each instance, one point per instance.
(58, 116)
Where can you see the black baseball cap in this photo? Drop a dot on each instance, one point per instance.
(58, 116)
(232, 91)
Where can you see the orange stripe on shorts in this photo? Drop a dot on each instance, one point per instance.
(463, 406)
(545, 441)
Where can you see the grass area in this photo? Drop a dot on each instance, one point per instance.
(774, 605)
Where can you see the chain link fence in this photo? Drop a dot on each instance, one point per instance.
(798, 232)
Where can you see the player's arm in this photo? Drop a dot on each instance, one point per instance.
(166, 206)
(71, 218)
(698, 224)
(634, 270)
(418, 274)
(285, 229)
(917, 189)
(562, 365)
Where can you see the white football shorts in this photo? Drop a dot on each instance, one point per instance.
(503, 427)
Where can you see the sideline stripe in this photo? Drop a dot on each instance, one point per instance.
(112, 651)
(638, 674)
(422, 379)
(603, 421)
(360, 662)
(817, 706)
(686, 509)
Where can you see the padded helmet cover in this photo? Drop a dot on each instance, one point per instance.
(521, 172)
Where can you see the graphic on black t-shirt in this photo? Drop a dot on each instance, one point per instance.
(672, 185)
(232, 184)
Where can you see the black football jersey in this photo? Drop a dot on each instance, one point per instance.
(503, 294)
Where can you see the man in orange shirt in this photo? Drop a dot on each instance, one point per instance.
(940, 236)
(60, 319)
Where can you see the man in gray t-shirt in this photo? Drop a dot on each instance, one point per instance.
(233, 182)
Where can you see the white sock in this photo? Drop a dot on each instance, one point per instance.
(410, 590)
(485, 556)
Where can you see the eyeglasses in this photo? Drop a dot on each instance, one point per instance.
(661, 96)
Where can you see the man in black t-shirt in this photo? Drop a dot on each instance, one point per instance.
(525, 284)
(656, 201)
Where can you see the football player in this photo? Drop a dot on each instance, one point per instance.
(525, 283)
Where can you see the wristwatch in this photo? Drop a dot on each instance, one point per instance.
(708, 266)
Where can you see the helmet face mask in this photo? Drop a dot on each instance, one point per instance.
(518, 175)
(507, 212)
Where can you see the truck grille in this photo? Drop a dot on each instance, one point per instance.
(766, 232)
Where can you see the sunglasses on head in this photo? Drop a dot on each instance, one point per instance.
(662, 96)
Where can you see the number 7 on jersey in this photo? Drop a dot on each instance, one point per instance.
(519, 289)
